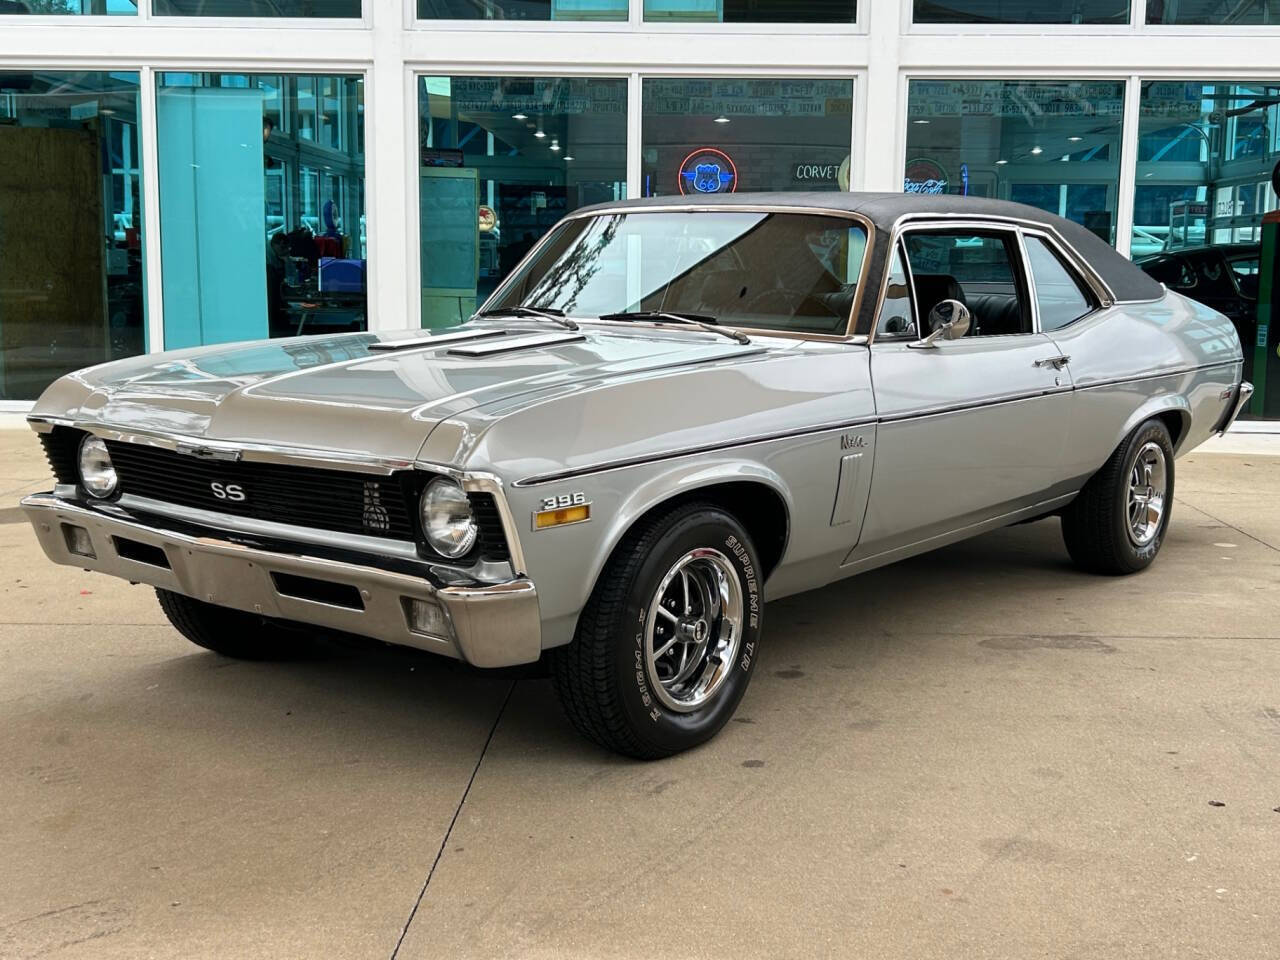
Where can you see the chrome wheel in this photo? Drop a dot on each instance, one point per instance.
(1148, 483)
(693, 629)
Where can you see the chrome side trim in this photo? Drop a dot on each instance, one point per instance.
(864, 421)
(1159, 375)
(688, 452)
(942, 410)
(851, 566)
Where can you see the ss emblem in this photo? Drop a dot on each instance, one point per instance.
(227, 491)
(564, 500)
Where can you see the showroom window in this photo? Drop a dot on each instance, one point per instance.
(72, 283)
(1053, 144)
(92, 8)
(501, 160)
(310, 9)
(750, 11)
(710, 135)
(1213, 12)
(1206, 152)
(606, 10)
(1019, 11)
(262, 215)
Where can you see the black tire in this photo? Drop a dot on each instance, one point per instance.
(602, 678)
(233, 633)
(1096, 526)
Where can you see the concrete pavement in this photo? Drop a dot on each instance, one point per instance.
(979, 753)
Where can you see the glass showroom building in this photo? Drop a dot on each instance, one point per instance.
(182, 172)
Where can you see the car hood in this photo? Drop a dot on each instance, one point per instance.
(348, 395)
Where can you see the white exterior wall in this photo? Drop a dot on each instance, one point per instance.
(881, 53)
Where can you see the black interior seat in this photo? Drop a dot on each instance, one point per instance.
(996, 314)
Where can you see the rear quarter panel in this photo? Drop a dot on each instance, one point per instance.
(1136, 360)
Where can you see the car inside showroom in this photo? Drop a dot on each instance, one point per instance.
(470, 380)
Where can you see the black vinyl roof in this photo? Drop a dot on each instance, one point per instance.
(1126, 281)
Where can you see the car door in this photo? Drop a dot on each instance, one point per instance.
(970, 429)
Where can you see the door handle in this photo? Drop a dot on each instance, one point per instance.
(1057, 362)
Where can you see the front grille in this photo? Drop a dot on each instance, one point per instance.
(365, 504)
(303, 496)
(492, 543)
(62, 450)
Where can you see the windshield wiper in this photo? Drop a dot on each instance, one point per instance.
(541, 313)
(709, 324)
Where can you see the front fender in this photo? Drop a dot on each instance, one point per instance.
(566, 563)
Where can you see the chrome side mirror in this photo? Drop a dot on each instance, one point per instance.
(948, 320)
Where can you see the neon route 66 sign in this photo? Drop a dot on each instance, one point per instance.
(707, 170)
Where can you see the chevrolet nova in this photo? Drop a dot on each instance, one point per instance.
(668, 414)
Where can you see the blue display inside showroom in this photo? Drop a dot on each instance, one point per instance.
(211, 202)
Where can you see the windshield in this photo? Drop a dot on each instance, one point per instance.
(775, 271)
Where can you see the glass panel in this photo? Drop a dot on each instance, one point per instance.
(707, 135)
(1052, 144)
(502, 160)
(72, 281)
(45, 8)
(614, 10)
(311, 9)
(1213, 12)
(751, 11)
(1058, 294)
(978, 269)
(896, 318)
(1206, 152)
(260, 236)
(792, 272)
(1014, 11)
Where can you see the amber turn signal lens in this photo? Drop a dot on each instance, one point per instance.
(558, 518)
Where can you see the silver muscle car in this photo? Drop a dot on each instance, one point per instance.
(668, 414)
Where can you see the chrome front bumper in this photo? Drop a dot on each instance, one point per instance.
(487, 625)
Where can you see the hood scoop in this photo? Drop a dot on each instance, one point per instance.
(411, 343)
(508, 344)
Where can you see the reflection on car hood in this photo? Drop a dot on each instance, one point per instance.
(335, 393)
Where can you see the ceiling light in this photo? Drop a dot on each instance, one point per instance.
(539, 134)
(721, 119)
(1074, 139)
(555, 145)
(519, 116)
(1036, 151)
(1001, 163)
(568, 158)
(919, 121)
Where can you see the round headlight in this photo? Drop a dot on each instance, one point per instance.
(97, 474)
(446, 518)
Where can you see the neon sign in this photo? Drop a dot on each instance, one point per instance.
(924, 176)
(707, 170)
